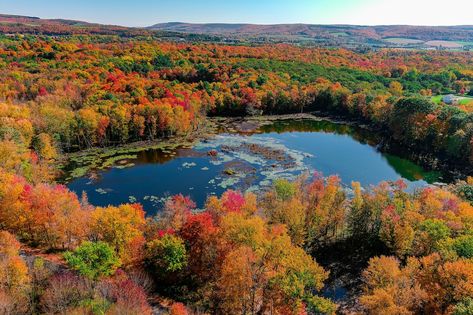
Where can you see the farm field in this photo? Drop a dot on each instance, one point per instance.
(403, 41)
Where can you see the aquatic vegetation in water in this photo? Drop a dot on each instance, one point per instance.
(116, 159)
(232, 161)
(188, 165)
(271, 157)
(155, 200)
(125, 166)
(101, 191)
(79, 172)
(81, 163)
(229, 171)
(232, 181)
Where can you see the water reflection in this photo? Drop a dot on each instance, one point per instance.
(250, 162)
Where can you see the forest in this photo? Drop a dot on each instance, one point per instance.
(242, 253)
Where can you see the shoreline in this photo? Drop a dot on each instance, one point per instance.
(81, 163)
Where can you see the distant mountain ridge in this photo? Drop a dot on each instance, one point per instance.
(461, 32)
(18, 24)
(350, 36)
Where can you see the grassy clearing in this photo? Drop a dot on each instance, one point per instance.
(443, 43)
(339, 34)
(462, 100)
(465, 101)
(464, 43)
(403, 41)
(437, 99)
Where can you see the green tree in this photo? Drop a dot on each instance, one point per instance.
(167, 253)
(431, 233)
(463, 246)
(93, 260)
(284, 189)
(162, 61)
(465, 307)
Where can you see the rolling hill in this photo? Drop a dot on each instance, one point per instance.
(424, 33)
(399, 36)
(411, 35)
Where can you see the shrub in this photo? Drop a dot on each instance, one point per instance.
(65, 291)
(125, 296)
(142, 279)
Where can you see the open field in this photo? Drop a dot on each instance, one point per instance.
(403, 41)
(443, 43)
(462, 100)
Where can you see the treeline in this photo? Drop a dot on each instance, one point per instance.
(415, 122)
(82, 94)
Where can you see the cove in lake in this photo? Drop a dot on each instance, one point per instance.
(249, 162)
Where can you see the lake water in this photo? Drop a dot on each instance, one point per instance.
(283, 149)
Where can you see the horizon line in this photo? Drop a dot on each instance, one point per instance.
(234, 23)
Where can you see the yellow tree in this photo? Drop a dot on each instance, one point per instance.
(121, 227)
(395, 88)
(325, 210)
(390, 289)
(263, 270)
(237, 285)
(14, 278)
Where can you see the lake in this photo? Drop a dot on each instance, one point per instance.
(249, 162)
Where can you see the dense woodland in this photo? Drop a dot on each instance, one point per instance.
(242, 253)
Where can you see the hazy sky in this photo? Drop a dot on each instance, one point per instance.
(148, 12)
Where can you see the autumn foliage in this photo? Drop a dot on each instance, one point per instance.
(243, 253)
(59, 94)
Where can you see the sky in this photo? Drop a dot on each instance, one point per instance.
(148, 12)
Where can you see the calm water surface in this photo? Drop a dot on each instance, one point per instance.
(284, 149)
